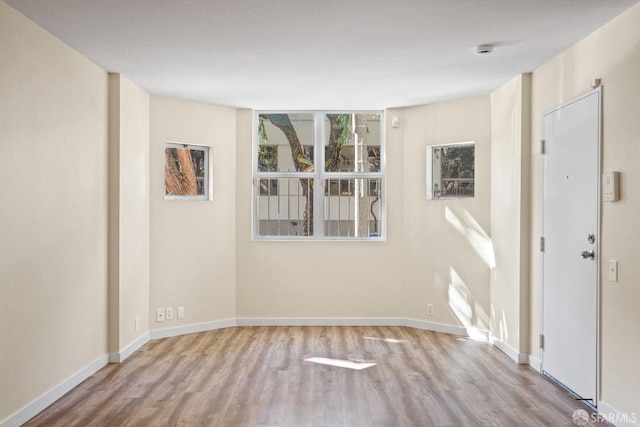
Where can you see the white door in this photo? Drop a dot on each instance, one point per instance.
(571, 174)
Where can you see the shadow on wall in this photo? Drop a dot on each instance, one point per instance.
(462, 303)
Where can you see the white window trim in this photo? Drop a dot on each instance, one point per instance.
(429, 169)
(319, 176)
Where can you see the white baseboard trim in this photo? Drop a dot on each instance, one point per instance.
(192, 329)
(433, 326)
(618, 419)
(519, 358)
(361, 321)
(119, 357)
(38, 405)
(535, 363)
(316, 321)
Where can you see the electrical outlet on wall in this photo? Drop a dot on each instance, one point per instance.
(430, 309)
(169, 313)
(180, 312)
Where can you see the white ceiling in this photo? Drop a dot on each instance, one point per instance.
(322, 54)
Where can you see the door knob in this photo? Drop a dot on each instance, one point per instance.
(587, 254)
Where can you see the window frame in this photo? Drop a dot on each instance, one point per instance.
(207, 184)
(320, 177)
(432, 193)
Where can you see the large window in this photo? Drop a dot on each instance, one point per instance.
(319, 175)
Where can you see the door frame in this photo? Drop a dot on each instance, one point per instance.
(598, 249)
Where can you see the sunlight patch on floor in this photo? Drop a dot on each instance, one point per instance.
(391, 340)
(351, 364)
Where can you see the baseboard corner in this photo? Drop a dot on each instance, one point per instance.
(120, 356)
(192, 329)
(515, 355)
(535, 363)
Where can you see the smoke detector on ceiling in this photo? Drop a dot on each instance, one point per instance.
(484, 49)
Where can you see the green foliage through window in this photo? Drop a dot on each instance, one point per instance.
(287, 171)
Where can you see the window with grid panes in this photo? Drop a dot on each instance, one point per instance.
(319, 175)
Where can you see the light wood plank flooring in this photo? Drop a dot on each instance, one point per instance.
(257, 376)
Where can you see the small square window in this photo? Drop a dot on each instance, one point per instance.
(186, 171)
(451, 171)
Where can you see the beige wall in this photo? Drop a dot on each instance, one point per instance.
(310, 279)
(510, 158)
(613, 54)
(446, 247)
(463, 256)
(425, 260)
(128, 212)
(193, 242)
(53, 212)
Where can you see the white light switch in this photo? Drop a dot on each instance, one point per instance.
(613, 270)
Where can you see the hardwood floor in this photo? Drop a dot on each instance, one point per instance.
(257, 376)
